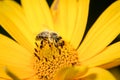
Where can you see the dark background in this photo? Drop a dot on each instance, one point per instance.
(96, 8)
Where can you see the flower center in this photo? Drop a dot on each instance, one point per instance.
(51, 54)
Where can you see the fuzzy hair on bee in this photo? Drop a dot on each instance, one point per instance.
(47, 35)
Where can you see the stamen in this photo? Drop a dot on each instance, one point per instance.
(37, 56)
(36, 44)
(35, 50)
(51, 54)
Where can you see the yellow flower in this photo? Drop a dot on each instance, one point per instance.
(39, 53)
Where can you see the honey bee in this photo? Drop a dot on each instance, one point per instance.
(42, 35)
(47, 35)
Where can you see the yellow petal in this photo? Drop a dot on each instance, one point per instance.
(108, 58)
(116, 72)
(9, 73)
(59, 12)
(102, 33)
(81, 21)
(71, 17)
(67, 16)
(70, 73)
(14, 57)
(98, 74)
(38, 15)
(12, 20)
